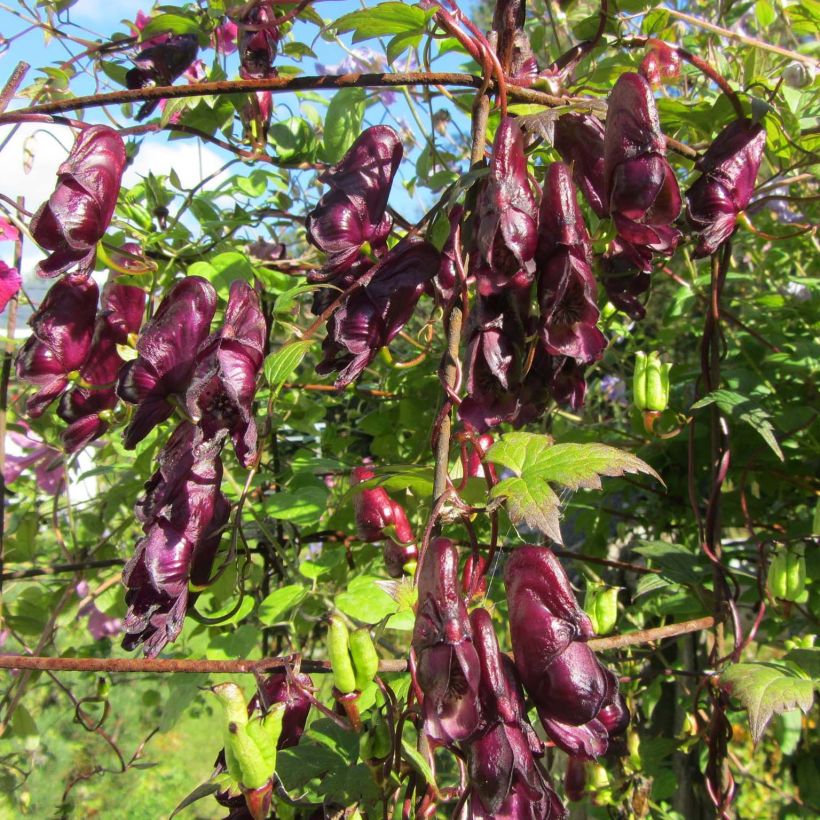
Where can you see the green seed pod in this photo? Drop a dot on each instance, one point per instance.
(365, 657)
(787, 575)
(338, 643)
(381, 737)
(639, 381)
(601, 604)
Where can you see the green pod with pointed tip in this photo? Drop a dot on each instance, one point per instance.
(657, 384)
(364, 655)
(639, 381)
(787, 575)
(338, 650)
(601, 604)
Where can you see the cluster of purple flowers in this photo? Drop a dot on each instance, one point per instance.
(473, 694)
(351, 225)
(213, 379)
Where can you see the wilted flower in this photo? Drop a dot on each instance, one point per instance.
(507, 214)
(375, 512)
(729, 170)
(579, 139)
(46, 461)
(77, 214)
(566, 285)
(167, 349)
(183, 513)
(61, 333)
(220, 396)
(258, 39)
(83, 407)
(567, 683)
(370, 317)
(447, 662)
(505, 779)
(160, 64)
(10, 281)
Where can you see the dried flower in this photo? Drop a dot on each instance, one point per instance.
(77, 214)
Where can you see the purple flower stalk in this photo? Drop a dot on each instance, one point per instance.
(728, 173)
(447, 662)
(644, 199)
(79, 211)
(167, 349)
(220, 396)
(183, 513)
(61, 334)
(579, 139)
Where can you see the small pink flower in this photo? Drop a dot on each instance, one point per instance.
(10, 282)
(226, 36)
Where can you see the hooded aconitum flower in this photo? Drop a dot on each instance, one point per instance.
(505, 779)
(507, 214)
(579, 139)
(566, 285)
(729, 170)
(161, 64)
(375, 511)
(77, 214)
(61, 333)
(225, 35)
(351, 215)
(258, 39)
(120, 316)
(10, 281)
(660, 63)
(568, 685)
(370, 317)
(167, 349)
(445, 284)
(220, 396)
(183, 513)
(447, 665)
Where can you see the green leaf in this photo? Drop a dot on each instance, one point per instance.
(401, 43)
(419, 480)
(677, 563)
(223, 268)
(807, 659)
(366, 601)
(173, 23)
(382, 20)
(742, 408)
(331, 557)
(417, 761)
(202, 790)
(303, 506)
(279, 602)
(767, 689)
(343, 122)
(280, 364)
(537, 463)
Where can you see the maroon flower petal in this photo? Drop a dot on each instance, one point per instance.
(579, 139)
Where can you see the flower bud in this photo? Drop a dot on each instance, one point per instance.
(338, 650)
(799, 75)
(650, 384)
(601, 604)
(575, 780)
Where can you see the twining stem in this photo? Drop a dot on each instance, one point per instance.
(233, 667)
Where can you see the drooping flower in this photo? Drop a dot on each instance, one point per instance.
(46, 461)
(728, 173)
(225, 35)
(643, 195)
(566, 284)
(375, 512)
(167, 349)
(79, 211)
(84, 407)
(10, 281)
(183, 513)
(579, 139)
(371, 316)
(446, 281)
(505, 779)
(258, 38)
(61, 334)
(577, 699)
(160, 64)
(220, 396)
(447, 662)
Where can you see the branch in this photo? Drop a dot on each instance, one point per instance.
(658, 633)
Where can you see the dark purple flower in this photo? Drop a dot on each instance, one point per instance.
(61, 333)
(371, 316)
(77, 214)
(446, 281)
(644, 199)
(505, 779)
(183, 513)
(577, 699)
(728, 173)
(160, 64)
(351, 215)
(375, 511)
(566, 285)
(10, 281)
(447, 662)
(258, 39)
(167, 349)
(220, 396)
(84, 407)
(579, 139)
(507, 211)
